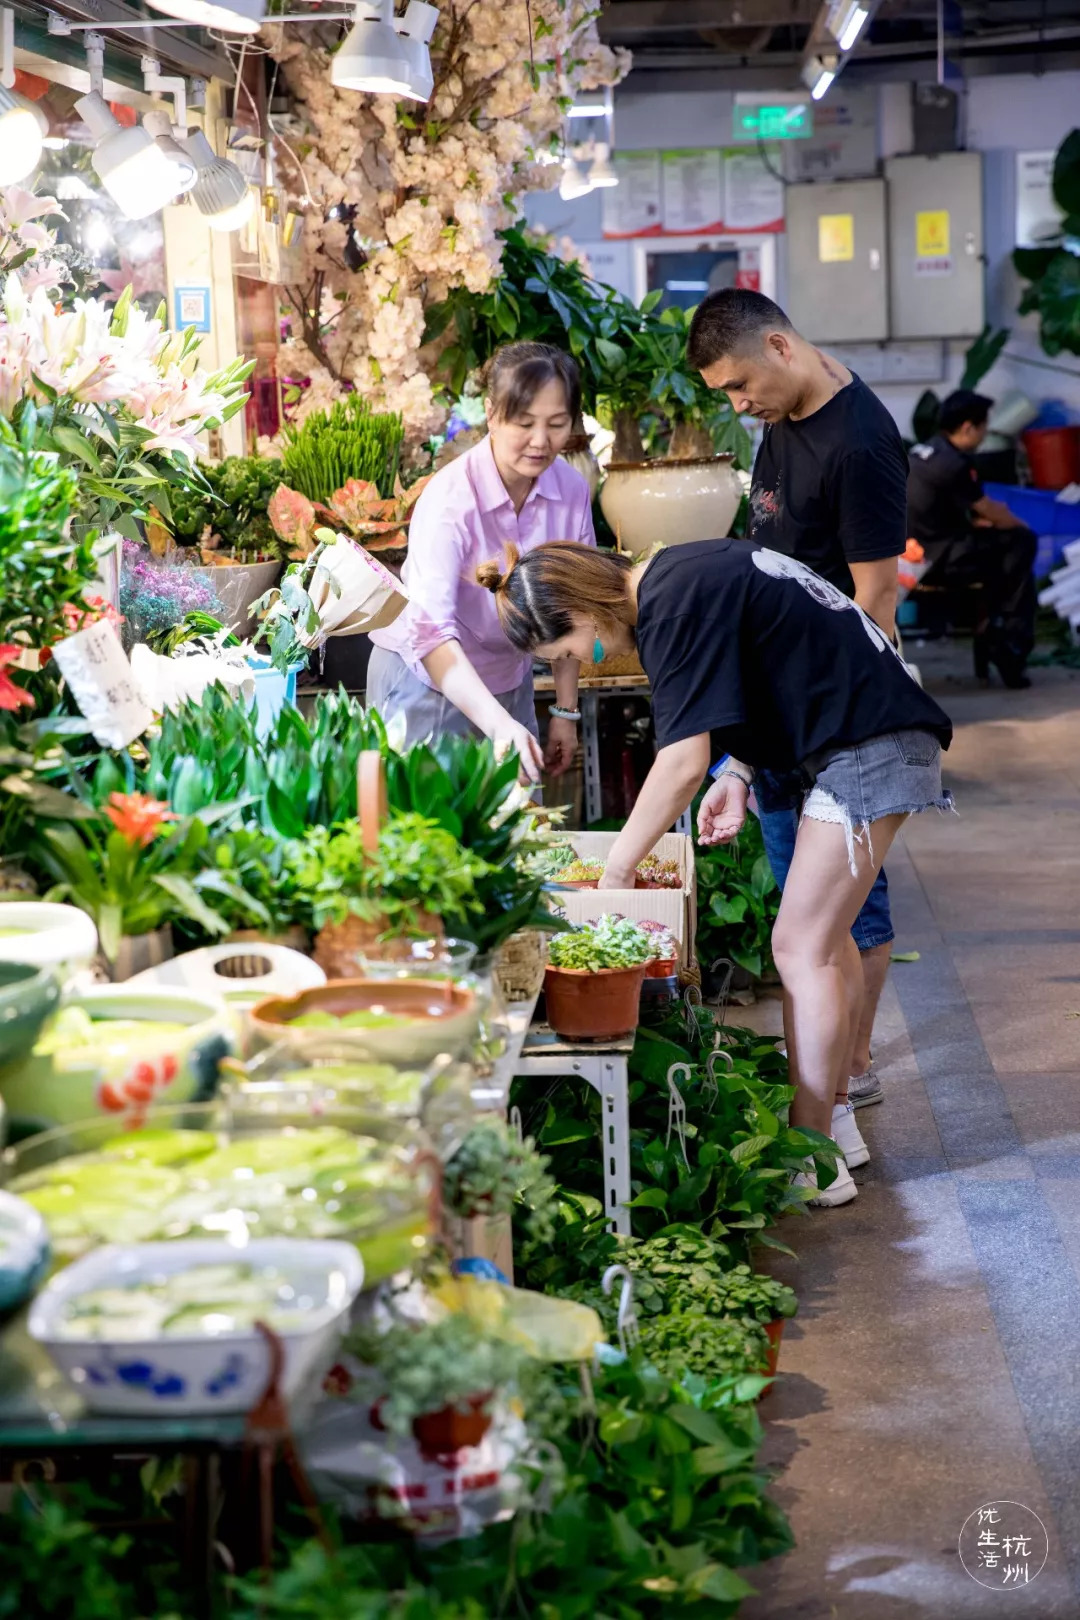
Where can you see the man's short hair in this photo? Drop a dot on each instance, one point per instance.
(729, 322)
(963, 406)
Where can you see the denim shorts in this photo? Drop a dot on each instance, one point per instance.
(779, 826)
(895, 774)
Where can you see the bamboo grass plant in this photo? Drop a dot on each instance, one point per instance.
(348, 441)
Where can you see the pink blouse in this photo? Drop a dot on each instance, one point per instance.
(464, 518)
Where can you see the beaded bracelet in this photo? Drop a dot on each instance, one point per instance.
(747, 781)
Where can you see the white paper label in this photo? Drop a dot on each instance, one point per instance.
(96, 668)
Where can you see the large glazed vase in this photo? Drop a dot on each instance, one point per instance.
(670, 501)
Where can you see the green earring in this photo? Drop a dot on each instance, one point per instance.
(598, 651)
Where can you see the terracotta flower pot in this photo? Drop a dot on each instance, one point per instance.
(341, 948)
(593, 1006)
(662, 968)
(774, 1332)
(449, 1429)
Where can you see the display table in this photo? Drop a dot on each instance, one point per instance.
(545, 1056)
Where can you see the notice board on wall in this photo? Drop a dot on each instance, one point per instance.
(706, 191)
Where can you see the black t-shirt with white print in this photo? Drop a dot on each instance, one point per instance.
(831, 489)
(771, 659)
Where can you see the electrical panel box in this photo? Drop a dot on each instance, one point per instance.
(936, 265)
(837, 278)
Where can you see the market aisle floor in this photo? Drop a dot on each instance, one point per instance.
(935, 1362)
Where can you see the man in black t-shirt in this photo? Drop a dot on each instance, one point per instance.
(829, 488)
(968, 537)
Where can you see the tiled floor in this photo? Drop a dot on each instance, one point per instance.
(935, 1362)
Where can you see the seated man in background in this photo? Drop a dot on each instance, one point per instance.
(968, 537)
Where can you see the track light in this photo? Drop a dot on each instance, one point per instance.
(373, 57)
(137, 174)
(601, 172)
(574, 183)
(23, 128)
(220, 193)
(415, 30)
(159, 125)
(235, 17)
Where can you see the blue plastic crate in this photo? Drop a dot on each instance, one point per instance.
(272, 691)
(1055, 522)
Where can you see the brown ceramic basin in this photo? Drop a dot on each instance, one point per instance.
(441, 1016)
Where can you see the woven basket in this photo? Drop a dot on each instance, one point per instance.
(627, 664)
(520, 964)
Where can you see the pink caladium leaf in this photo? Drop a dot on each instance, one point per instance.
(293, 516)
(353, 503)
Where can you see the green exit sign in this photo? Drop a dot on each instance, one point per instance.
(767, 121)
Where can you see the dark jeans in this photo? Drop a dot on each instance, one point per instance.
(1001, 560)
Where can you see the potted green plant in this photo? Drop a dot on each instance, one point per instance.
(223, 513)
(134, 869)
(441, 1380)
(490, 1169)
(757, 1298)
(592, 984)
(348, 441)
(358, 902)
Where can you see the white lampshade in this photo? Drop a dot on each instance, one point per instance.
(23, 128)
(137, 174)
(373, 57)
(220, 192)
(415, 29)
(574, 183)
(600, 171)
(233, 17)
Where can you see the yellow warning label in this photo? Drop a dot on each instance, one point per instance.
(836, 238)
(932, 234)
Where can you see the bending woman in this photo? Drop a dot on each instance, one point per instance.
(445, 662)
(783, 671)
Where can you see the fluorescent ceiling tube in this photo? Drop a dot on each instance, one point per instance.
(600, 171)
(232, 16)
(573, 183)
(137, 174)
(818, 75)
(822, 85)
(415, 30)
(220, 193)
(853, 28)
(23, 128)
(373, 57)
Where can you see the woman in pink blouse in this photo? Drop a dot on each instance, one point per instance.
(445, 662)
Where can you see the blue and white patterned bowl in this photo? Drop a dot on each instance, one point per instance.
(24, 1250)
(199, 1374)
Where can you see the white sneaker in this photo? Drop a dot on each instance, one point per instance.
(841, 1191)
(864, 1089)
(848, 1137)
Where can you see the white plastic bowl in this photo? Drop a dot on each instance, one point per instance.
(51, 936)
(198, 1374)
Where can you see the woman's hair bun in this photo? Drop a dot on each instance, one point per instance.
(490, 576)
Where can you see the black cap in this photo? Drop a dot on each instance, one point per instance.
(965, 405)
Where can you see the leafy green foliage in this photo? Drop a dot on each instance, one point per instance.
(1053, 271)
(417, 867)
(42, 570)
(350, 440)
(632, 359)
(609, 942)
(737, 902)
(459, 783)
(424, 1368)
(231, 503)
(491, 1169)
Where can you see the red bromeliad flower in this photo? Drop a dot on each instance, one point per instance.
(137, 817)
(11, 696)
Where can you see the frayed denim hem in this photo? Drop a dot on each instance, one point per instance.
(821, 804)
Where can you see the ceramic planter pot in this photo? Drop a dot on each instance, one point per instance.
(603, 1005)
(138, 952)
(673, 501)
(24, 1251)
(124, 1081)
(237, 586)
(449, 1430)
(662, 969)
(48, 936)
(28, 994)
(341, 948)
(438, 1016)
